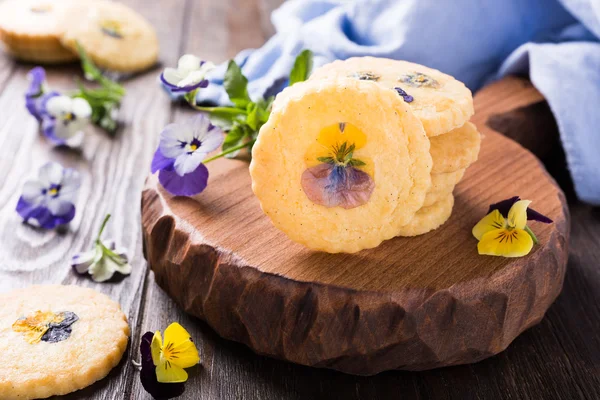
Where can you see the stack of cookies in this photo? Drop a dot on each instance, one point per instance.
(365, 150)
(444, 106)
(114, 36)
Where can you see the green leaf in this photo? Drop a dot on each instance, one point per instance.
(235, 137)
(325, 159)
(92, 73)
(356, 162)
(236, 85)
(302, 67)
(224, 117)
(253, 120)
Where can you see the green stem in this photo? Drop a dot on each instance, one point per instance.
(229, 151)
(102, 227)
(530, 232)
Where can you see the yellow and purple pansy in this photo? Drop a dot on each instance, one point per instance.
(46, 326)
(504, 231)
(163, 361)
(335, 177)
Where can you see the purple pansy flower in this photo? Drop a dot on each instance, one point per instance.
(49, 201)
(64, 118)
(188, 76)
(505, 205)
(407, 97)
(150, 383)
(334, 185)
(180, 153)
(36, 95)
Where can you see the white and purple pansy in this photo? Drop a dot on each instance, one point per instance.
(181, 151)
(36, 94)
(64, 118)
(49, 201)
(189, 75)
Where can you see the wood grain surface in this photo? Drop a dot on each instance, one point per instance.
(557, 359)
(411, 303)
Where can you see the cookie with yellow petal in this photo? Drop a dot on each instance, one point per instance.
(114, 36)
(429, 218)
(441, 102)
(57, 339)
(30, 30)
(456, 149)
(341, 164)
(446, 182)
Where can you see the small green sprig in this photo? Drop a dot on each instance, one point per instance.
(243, 120)
(105, 100)
(343, 155)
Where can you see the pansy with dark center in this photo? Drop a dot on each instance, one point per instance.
(48, 202)
(46, 326)
(418, 79)
(157, 390)
(407, 97)
(65, 118)
(337, 180)
(188, 77)
(365, 76)
(181, 151)
(504, 231)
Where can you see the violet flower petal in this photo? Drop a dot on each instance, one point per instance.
(187, 185)
(183, 89)
(337, 186)
(44, 218)
(505, 205)
(160, 162)
(157, 390)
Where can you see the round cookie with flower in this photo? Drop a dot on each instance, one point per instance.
(340, 165)
(57, 339)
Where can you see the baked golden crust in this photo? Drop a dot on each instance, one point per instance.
(43, 369)
(429, 218)
(455, 150)
(30, 30)
(441, 102)
(396, 148)
(113, 35)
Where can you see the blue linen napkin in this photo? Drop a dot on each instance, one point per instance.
(555, 41)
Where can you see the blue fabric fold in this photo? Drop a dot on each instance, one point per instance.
(556, 41)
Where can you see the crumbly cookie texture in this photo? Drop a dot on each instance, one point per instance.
(81, 352)
(30, 30)
(441, 102)
(396, 154)
(114, 36)
(429, 218)
(446, 182)
(456, 149)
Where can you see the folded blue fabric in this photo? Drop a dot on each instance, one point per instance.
(556, 41)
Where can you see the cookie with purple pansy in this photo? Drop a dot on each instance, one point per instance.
(341, 164)
(49, 200)
(182, 151)
(441, 102)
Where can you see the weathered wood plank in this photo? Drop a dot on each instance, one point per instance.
(111, 182)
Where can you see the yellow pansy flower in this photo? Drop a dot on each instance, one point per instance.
(331, 139)
(172, 355)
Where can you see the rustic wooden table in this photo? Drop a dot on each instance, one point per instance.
(558, 359)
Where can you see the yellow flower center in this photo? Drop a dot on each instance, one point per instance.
(35, 325)
(69, 116)
(53, 191)
(193, 147)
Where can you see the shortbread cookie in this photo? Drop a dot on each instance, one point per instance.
(455, 150)
(436, 196)
(114, 36)
(441, 102)
(57, 339)
(446, 182)
(429, 218)
(30, 30)
(340, 165)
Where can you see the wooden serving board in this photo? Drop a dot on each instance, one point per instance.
(411, 303)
